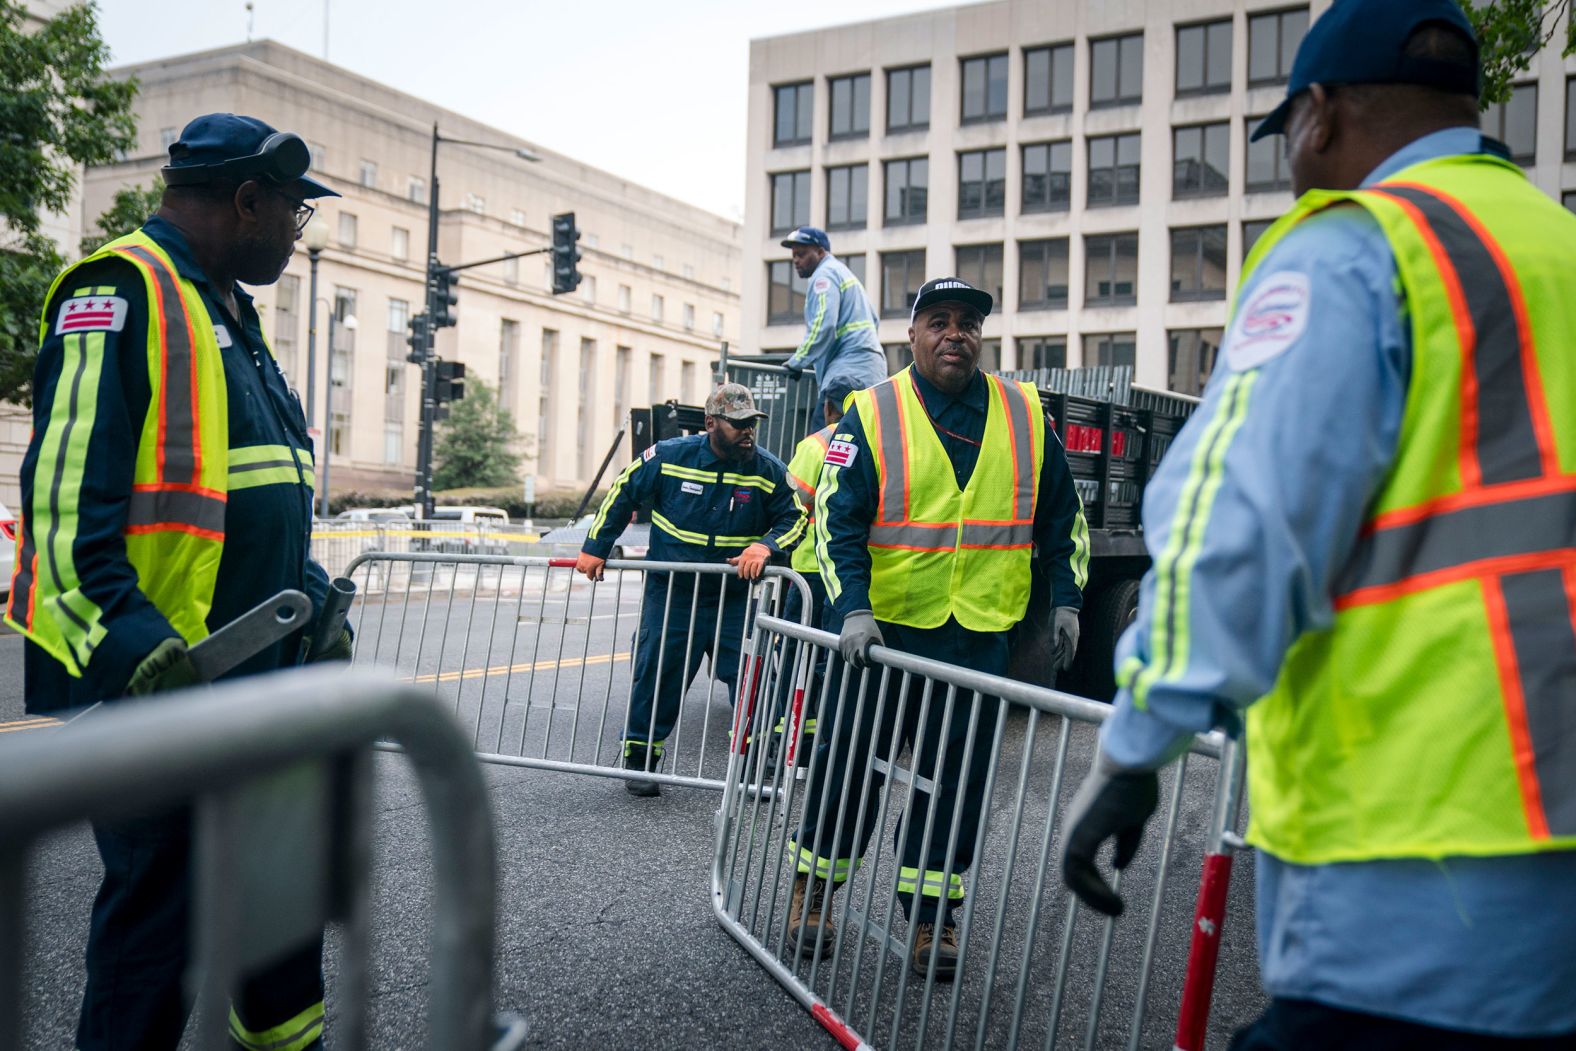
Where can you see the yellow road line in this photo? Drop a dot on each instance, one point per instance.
(41, 722)
(501, 669)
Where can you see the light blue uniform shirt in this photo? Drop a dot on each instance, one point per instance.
(1304, 424)
(840, 339)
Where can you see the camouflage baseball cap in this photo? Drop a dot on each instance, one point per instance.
(732, 401)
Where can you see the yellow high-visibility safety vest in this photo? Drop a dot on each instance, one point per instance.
(1434, 717)
(180, 483)
(804, 471)
(937, 551)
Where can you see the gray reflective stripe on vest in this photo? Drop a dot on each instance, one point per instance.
(996, 534)
(1538, 610)
(180, 426)
(918, 535)
(1021, 419)
(172, 507)
(1506, 443)
(1450, 539)
(892, 464)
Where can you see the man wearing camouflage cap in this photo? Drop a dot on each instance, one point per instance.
(713, 497)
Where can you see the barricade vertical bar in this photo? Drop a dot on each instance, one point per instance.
(514, 646)
(536, 653)
(607, 698)
(13, 936)
(352, 894)
(1136, 1027)
(215, 917)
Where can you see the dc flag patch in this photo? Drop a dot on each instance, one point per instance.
(841, 454)
(651, 450)
(1272, 319)
(91, 314)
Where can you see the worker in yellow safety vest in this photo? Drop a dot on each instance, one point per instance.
(941, 489)
(1366, 538)
(166, 490)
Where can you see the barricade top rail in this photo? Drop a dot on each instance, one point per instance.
(1051, 702)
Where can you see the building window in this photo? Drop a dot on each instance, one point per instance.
(586, 395)
(716, 323)
(990, 355)
(1191, 358)
(287, 322)
(508, 351)
(850, 106)
(626, 297)
(1042, 352)
(901, 275)
(1198, 263)
(587, 287)
(1199, 158)
(848, 197)
(1116, 70)
(658, 307)
(1268, 168)
(399, 315)
(856, 266)
(341, 359)
(658, 263)
(416, 189)
(790, 201)
(784, 293)
(393, 441)
(347, 229)
(394, 378)
(399, 243)
(907, 191)
(908, 99)
(591, 240)
(687, 314)
(1570, 118)
(544, 401)
(688, 271)
(982, 183)
(792, 104)
(368, 176)
(1042, 274)
(622, 356)
(1272, 44)
(168, 137)
(1252, 230)
(656, 378)
(981, 266)
(984, 88)
(687, 382)
(319, 155)
(1048, 79)
(1515, 122)
(1113, 169)
(475, 202)
(1047, 176)
(1111, 269)
(1111, 348)
(899, 357)
(1204, 58)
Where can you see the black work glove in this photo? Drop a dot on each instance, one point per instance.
(795, 372)
(338, 650)
(168, 667)
(859, 634)
(1112, 802)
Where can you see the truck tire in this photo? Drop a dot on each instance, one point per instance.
(1104, 619)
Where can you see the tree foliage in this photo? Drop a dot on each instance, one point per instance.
(58, 110)
(1510, 33)
(477, 444)
(130, 209)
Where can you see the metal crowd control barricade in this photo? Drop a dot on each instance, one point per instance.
(787, 402)
(539, 663)
(277, 769)
(1035, 969)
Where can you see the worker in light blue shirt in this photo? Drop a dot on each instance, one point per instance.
(840, 339)
(1298, 432)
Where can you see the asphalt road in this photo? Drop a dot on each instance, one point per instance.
(606, 935)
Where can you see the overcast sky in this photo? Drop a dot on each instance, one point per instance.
(651, 91)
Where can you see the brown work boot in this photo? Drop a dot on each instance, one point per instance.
(946, 953)
(811, 913)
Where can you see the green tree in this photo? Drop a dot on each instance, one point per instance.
(477, 443)
(130, 209)
(1509, 33)
(59, 110)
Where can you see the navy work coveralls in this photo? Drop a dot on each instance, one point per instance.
(138, 941)
(703, 509)
(851, 494)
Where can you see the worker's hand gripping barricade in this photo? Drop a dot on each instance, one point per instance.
(549, 670)
(814, 874)
(277, 770)
(789, 403)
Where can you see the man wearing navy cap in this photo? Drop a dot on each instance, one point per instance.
(1389, 599)
(167, 489)
(942, 491)
(840, 341)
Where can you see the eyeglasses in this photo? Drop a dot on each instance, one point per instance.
(303, 214)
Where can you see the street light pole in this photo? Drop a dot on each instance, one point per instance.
(316, 237)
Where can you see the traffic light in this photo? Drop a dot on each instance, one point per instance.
(445, 298)
(566, 272)
(418, 339)
(450, 382)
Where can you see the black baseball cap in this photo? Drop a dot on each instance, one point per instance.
(950, 290)
(1364, 42)
(219, 145)
(808, 235)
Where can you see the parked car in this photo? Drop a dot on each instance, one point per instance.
(374, 514)
(565, 541)
(469, 515)
(474, 527)
(7, 548)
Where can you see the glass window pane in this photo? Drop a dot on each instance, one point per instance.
(1521, 116)
(806, 95)
(996, 88)
(859, 195)
(1062, 76)
(1190, 58)
(920, 90)
(1570, 117)
(897, 98)
(1263, 53)
(1132, 67)
(1037, 79)
(1217, 156)
(1124, 270)
(784, 129)
(862, 103)
(1294, 26)
(1102, 75)
(973, 88)
(1217, 71)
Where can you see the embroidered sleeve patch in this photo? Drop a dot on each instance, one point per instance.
(841, 454)
(91, 314)
(822, 284)
(649, 454)
(1270, 321)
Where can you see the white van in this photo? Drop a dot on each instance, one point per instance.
(469, 515)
